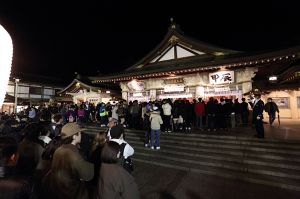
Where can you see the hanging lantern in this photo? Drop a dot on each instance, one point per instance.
(6, 52)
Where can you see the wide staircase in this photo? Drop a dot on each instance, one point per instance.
(261, 161)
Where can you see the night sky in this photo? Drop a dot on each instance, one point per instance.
(56, 39)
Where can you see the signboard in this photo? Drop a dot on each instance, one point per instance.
(173, 88)
(137, 94)
(220, 89)
(174, 81)
(221, 77)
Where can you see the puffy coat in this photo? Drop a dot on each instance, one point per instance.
(155, 120)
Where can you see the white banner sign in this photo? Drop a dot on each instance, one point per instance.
(221, 77)
(173, 88)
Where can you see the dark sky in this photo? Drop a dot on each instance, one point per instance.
(56, 39)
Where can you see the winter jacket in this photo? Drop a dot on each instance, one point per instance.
(128, 150)
(116, 183)
(15, 186)
(166, 109)
(200, 109)
(155, 120)
(271, 107)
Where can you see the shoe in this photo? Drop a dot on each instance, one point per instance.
(157, 148)
(152, 147)
(146, 145)
(215, 129)
(208, 129)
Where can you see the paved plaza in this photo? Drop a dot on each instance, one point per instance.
(160, 182)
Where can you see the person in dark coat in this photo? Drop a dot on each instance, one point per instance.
(17, 169)
(69, 171)
(245, 111)
(115, 181)
(271, 108)
(258, 108)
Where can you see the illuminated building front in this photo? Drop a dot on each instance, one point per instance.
(182, 67)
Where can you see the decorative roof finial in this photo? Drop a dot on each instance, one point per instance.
(173, 24)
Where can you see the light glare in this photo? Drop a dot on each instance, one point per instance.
(6, 52)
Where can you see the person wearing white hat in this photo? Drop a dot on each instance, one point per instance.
(156, 121)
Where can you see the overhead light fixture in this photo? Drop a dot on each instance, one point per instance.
(273, 79)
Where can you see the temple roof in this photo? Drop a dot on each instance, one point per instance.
(177, 46)
(276, 61)
(75, 86)
(178, 54)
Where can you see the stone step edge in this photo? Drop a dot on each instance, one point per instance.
(225, 166)
(228, 137)
(235, 147)
(235, 142)
(222, 152)
(237, 159)
(224, 175)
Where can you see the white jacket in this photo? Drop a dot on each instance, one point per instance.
(166, 109)
(128, 150)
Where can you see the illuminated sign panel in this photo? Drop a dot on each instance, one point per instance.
(136, 85)
(173, 88)
(221, 77)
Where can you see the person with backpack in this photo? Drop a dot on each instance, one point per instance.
(114, 181)
(117, 135)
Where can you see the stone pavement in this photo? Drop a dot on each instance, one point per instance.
(162, 183)
(157, 182)
(289, 129)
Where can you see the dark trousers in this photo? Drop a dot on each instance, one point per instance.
(259, 128)
(271, 117)
(166, 124)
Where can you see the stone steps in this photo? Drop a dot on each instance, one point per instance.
(261, 161)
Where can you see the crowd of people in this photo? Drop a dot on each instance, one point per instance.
(45, 152)
(49, 155)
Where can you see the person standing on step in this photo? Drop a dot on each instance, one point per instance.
(147, 128)
(200, 112)
(258, 108)
(156, 121)
(245, 111)
(167, 108)
(211, 109)
(271, 108)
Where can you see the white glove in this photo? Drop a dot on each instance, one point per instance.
(258, 117)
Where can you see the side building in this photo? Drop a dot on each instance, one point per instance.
(81, 90)
(29, 89)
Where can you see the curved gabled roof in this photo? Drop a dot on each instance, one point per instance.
(73, 85)
(176, 45)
